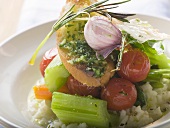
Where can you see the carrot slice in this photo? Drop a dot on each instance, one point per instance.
(42, 92)
(64, 89)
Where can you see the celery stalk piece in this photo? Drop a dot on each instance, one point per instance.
(77, 109)
(55, 74)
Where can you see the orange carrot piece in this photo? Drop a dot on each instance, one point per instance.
(64, 89)
(42, 92)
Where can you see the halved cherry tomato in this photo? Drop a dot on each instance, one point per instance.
(47, 58)
(135, 66)
(75, 87)
(119, 93)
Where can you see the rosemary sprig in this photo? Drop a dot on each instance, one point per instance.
(114, 3)
(119, 60)
(97, 7)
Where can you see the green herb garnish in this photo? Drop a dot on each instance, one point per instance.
(83, 54)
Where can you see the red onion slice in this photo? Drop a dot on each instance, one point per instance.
(105, 52)
(102, 35)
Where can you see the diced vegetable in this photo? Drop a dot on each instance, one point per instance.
(75, 87)
(141, 98)
(157, 84)
(64, 89)
(77, 109)
(135, 66)
(42, 92)
(47, 58)
(156, 76)
(119, 93)
(55, 74)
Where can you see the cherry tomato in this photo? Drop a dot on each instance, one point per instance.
(135, 66)
(75, 87)
(47, 58)
(119, 93)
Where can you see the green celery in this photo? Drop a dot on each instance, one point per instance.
(156, 84)
(141, 98)
(55, 74)
(77, 109)
(156, 77)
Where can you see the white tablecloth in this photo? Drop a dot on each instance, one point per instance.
(36, 12)
(39, 11)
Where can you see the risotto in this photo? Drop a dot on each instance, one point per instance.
(157, 106)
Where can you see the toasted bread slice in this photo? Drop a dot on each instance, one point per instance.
(74, 69)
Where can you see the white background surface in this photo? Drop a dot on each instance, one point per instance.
(18, 15)
(39, 11)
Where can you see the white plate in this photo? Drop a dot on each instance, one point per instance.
(17, 77)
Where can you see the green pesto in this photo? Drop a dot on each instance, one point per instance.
(75, 30)
(82, 53)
